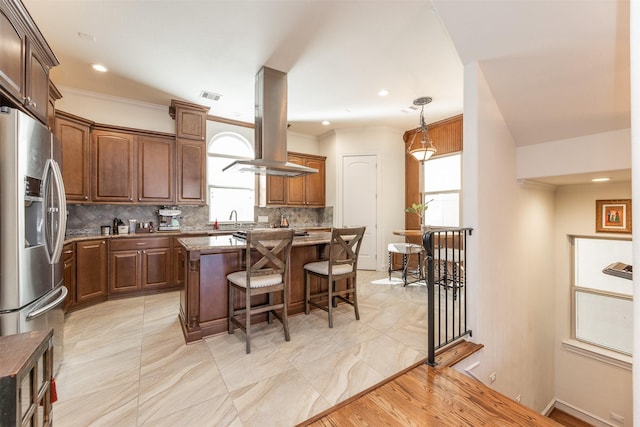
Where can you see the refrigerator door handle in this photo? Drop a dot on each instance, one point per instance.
(41, 310)
(60, 209)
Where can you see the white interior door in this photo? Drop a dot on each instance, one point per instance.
(359, 203)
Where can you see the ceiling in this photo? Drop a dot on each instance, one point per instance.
(557, 68)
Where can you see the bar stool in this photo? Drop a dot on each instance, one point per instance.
(266, 273)
(342, 264)
(406, 249)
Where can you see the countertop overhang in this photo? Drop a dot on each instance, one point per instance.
(228, 241)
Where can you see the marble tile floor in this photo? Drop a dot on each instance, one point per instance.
(126, 363)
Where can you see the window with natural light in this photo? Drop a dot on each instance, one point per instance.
(602, 303)
(229, 191)
(442, 184)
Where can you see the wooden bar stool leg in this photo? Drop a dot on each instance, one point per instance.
(230, 310)
(331, 284)
(248, 320)
(285, 316)
(354, 298)
(307, 291)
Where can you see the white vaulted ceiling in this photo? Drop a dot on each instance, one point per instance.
(557, 68)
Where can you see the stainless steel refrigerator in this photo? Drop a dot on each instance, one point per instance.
(32, 227)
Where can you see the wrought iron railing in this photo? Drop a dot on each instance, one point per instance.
(446, 263)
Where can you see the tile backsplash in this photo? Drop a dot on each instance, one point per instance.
(87, 219)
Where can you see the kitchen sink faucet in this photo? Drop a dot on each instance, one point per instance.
(235, 224)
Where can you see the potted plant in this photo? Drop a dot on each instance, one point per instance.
(419, 209)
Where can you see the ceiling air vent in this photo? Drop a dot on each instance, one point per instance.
(210, 95)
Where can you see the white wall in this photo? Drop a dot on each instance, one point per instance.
(111, 110)
(592, 153)
(635, 177)
(510, 290)
(387, 144)
(303, 144)
(576, 375)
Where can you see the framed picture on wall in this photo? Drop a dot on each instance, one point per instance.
(613, 216)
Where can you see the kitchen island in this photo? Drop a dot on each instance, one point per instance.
(206, 261)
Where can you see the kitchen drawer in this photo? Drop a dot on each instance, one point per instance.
(141, 243)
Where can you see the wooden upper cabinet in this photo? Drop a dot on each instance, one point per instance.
(308, 190)
(25, 60)
(74, 135)
(191, 120)
(156, 163)
(54, 95)
(112, 163)
(315, 182)
(276, 190)
(106, 164)
(296, 186)
(191, 170)
(191, 124)
(37, 84)
(12, 51)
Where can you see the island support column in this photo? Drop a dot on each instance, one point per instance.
(190, 298)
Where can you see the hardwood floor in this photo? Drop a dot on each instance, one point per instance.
(441, 396)
(432, 396)
(567, 420)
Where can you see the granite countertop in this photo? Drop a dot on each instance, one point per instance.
(227, 241)
(207, 231)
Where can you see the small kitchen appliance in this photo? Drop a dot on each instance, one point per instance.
(169, 219)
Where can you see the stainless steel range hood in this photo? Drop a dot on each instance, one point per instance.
(271, 129)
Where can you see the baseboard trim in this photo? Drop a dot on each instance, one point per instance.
(580, 414)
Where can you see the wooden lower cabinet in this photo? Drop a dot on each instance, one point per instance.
(139, 264)
(99, 269)
(91, 271)
(69, 261)
(124, 271)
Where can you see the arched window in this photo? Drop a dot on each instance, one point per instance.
(229, 191)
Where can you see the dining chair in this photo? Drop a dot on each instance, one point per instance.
(341, 265)
(267, 255)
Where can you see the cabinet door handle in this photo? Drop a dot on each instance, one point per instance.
(141, 243)
(28, 102)
(86, 197)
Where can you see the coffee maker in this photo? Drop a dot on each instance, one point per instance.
(168, 219)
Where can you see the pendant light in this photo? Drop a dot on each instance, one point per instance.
(426, 149)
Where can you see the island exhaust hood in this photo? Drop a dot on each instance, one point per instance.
(271, 129)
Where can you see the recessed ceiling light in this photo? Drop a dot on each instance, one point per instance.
(383, 92)
(326, 122)
(600, 179)
(99, 67)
